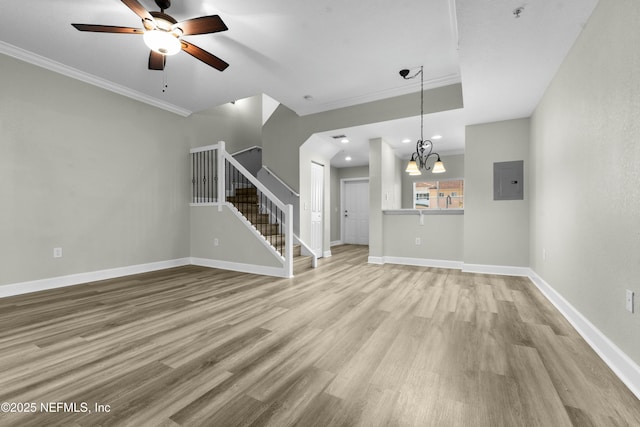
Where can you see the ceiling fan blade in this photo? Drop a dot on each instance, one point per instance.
(204, 56)
(201, 25)
(138, 9)
(157, 61)
(108, 29)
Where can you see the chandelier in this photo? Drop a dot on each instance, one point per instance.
(424, 148)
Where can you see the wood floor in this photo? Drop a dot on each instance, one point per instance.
(346, 344)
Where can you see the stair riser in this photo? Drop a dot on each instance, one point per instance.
(242, 199)
(257, 218)
(247, 203)
(267, 229)
(246, 191)
(247, 208)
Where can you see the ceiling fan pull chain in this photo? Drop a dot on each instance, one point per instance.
(165, 85)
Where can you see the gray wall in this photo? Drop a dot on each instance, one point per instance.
(496, 232)
(585, 154)
(236, 243)
(98, 174)
(354, 172)
(441, 236)
(250, 159)
(239, 125)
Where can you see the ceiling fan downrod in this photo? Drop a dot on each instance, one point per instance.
(163, 4)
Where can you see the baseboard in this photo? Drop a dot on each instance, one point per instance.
(241, 267)
(455, 265)
(501, 270)
(625, 368)
(423, 262)
(336, 243)
(93, 276)
(326, 254)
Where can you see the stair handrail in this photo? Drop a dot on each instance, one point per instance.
(284, 184)
(253, 180)
(246, 150)
(207, 148)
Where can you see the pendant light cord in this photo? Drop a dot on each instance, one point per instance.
(421, 103)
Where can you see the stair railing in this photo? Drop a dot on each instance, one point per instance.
(314, 257)
(215, 176)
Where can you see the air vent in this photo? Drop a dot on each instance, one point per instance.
(339, 136)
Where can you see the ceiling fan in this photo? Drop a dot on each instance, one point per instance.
(163, 34)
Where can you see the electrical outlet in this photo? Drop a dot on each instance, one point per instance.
(544, 254)
(216, 242)
(418, 241)
(629, 301)
(57, 252)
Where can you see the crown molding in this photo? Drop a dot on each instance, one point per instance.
(65, 70)
(405, 89)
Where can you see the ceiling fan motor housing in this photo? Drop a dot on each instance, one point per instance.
(163, 20)
(163, 4)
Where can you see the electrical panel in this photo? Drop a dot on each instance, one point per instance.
(508, 180)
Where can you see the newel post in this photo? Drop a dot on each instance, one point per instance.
(222, 192)
(288, 245)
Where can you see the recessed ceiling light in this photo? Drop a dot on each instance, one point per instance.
(406, 141)
(344, 141)
(436, 137)
(348, 158)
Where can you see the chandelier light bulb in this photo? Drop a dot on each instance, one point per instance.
(438, 167)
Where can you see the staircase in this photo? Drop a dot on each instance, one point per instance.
(219, 179)
(246, 201)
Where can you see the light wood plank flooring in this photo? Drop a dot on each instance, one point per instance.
(346, 344)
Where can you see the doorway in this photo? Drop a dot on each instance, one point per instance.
(355, 212)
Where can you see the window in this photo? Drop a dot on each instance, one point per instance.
(445, 194)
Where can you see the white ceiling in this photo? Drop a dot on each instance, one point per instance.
(340, 53)
(447, 124)
(506, 63)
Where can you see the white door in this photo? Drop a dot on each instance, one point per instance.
(356, 212)
(317, 206)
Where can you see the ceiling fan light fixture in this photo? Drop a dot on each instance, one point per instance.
(163, 34)
(163, 42)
